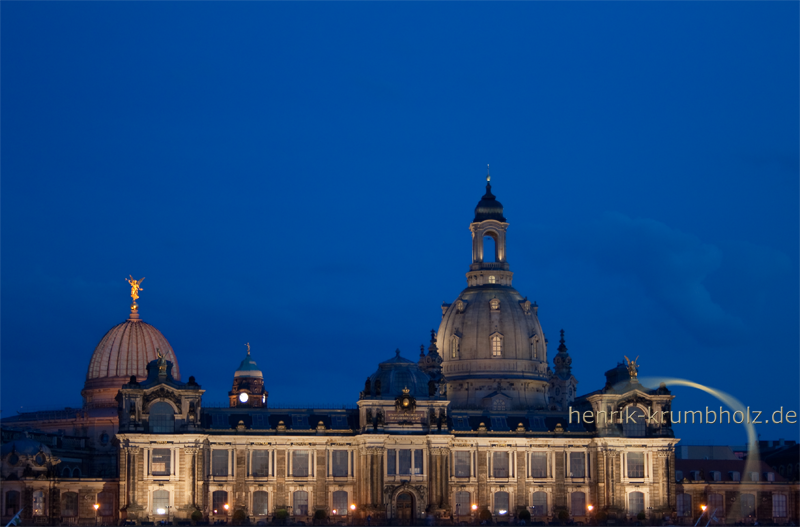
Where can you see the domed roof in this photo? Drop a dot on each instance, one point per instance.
(248, 368)
(469, 324)
(25, 447)
(488, 207)
(397, 374)
(125, 351)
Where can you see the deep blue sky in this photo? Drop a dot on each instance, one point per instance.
(302, 176)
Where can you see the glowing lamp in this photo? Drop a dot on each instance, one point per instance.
(243, 397)
(226, 507)
(96, 506)
(474, 507)
(353, 507)
(334, 511)
(703, 507)
(502, 511)
(590, 507)
(160, 510)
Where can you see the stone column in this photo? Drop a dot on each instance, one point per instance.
(320, 488)
(281, 500)
(483, 474)
(522, 480)
(240, 500)
(560, 490)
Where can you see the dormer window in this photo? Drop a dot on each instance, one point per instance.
(497, 345)
(735, 476)
(494, 304)
(716, 476)
(454, 343)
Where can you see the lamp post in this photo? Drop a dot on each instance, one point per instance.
(590, 508)
(96, 509)
(474, 508)
(703, 507)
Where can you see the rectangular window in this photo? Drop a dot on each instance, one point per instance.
(160, 502)
(418, 462)
(219, 462)
(462, 502)
(684, 505)
(576, 465)
(539, 465)
(339, 502)
(779, 505)
(260, 463)
(539, 503)
(462, 464)
(497, 346)
(260, 503)
(636, 464)
(300, 463)
(160, 462)
(404, 459)
(391, 461)
(500, 464)
(339, 463)
(69, 504)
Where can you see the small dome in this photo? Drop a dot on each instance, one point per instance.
(397, 374)
(488, 207)
(124, 352)
(248, 368)
(25, 447)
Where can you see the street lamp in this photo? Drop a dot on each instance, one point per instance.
(226, 507)
(353, 507)
(96, 510)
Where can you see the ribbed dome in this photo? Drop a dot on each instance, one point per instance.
(488, 207)
(122, 353)
(396, 374)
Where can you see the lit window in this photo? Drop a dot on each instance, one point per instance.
(454, 347)
(38, 503)
(501, 503)
(218, 500)
(494, 304)
(492, 279)
(160, 501)
(340, 502)
(497, 346)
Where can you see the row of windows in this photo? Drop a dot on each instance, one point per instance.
(716, 504)
(715, 475)
(540, 465)
(219, 498)
(300, 461)
(496, 342)
(69, 503)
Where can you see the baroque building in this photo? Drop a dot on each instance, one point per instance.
(480, 426)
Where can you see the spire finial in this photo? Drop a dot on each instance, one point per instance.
(248, 349)
(562, 336)
(488, 175)
(421, 350)
(397, 352)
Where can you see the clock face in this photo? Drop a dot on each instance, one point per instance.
(243, 397)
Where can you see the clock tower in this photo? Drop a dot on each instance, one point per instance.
(248, 385)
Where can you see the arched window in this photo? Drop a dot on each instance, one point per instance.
(489, 249)
(497, 345)
(218, 500)
(462, 503)
(779, 505)
(748, 505)
(76, 472)
(38, 503)
(340, 502)
(635, 503)
(300, 503)
(160, 502)
(66, 472)
(12, 502)
(499, 404)
(577, 504)
(69, 504)
(684, 505)
(633, 422)
(539, 503)
(260, 503)
(501, 503)
(162, 418)
(492, 279)
(454, 343)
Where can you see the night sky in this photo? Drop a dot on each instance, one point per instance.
(302, 176)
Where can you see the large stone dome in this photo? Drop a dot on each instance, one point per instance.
(395, 375)
(491, 341)
(124, 352)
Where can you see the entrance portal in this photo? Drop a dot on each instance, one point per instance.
(405, 507)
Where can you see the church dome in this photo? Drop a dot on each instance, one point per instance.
(488, 207)
(397, 374)
(124, 352)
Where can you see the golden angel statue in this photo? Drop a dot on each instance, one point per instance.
(633, 367)
(136, 286)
